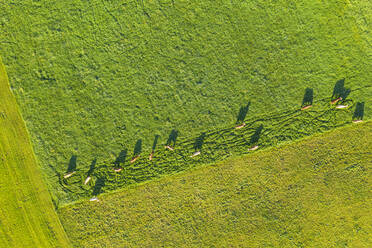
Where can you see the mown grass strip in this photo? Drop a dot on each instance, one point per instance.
(27, 216)
(312, 193)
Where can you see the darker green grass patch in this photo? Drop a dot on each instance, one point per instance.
(94, 77)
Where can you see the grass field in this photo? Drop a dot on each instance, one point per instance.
(27, 216)
(266, 131)
(94, 78)
(312, 193)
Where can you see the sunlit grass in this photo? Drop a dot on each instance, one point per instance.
(27, 216)
(312, 193)
(94, 77)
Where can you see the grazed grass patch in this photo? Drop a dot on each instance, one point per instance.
(132, 167)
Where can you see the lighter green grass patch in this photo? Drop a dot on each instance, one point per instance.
(312, 193)
(27, 216)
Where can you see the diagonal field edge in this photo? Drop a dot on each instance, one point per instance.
(27, 216)
(277, 128)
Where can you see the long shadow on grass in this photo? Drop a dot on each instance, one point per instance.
(172, 138)
(308, 97)
(92, 167)
(97, 189)
(242, 113)
(72, 164)
(256, 136)
(155, 142)
(121, 157)
(199, 142)
(137, 148)
(339, 90)
(359, 111)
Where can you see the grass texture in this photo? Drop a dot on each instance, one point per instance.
(266, 131)
(27, 216)
(312, 193)
(94, 78)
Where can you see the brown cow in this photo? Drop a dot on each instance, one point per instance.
(357, 121)
(169, 148)
(306, 107)
(195, 154)
(336, 100)
(240, 126)
(253, 148)
(134, 159)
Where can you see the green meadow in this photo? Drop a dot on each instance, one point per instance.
(175, 123)
(312, 193)
(260, 133)
(27, 216)
(99, 79)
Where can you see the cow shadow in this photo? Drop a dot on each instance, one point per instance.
(242, 113)
(359, 111)
(199, 142)
(138, 147)
(121, 157)
(92, 167)
(172, 138)
(72, 164)
(155, 142)
(97, 189)
(308, 97)
(339, 90)
(256, 136)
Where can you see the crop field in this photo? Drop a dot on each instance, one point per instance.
(27, 216)
(312, 193)
(97, 81)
